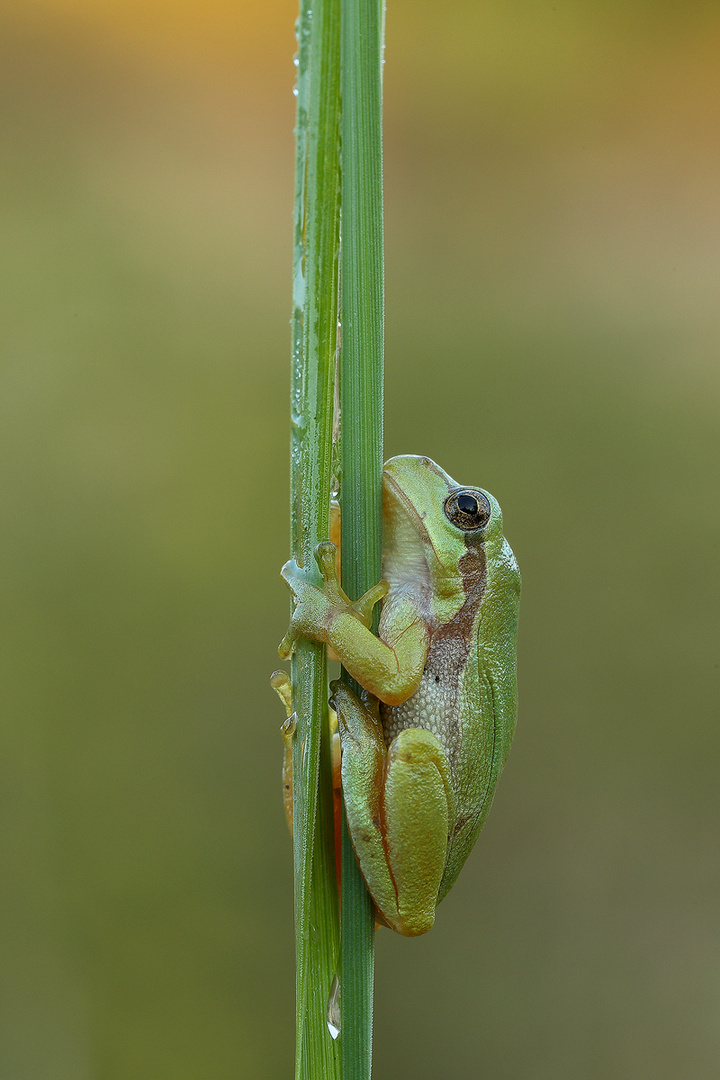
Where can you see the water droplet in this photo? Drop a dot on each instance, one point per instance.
(296, 60)
(298, 284)
(333, 1009)
(295, 91)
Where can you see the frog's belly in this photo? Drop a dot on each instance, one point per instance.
(433, 707)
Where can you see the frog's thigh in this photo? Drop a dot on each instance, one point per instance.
(416, 815)
(404, 790)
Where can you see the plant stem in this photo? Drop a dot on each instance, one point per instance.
(361, 411)
(317, 214)
(314, 323)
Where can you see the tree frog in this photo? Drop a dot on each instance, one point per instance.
(423, 750)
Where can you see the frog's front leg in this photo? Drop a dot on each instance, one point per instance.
(389, 668)
(399, 804)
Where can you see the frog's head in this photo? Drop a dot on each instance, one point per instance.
(431, 523)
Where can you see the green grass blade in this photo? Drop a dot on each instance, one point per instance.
(314, 323)
(361, 411)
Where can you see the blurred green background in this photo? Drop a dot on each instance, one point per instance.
(553, 319)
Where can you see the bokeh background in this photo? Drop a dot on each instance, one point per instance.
(553, 320)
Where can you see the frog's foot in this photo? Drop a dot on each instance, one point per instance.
(280, 682)
(318, 604)
(399, 806)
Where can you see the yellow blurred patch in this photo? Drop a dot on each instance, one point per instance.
(216, 30)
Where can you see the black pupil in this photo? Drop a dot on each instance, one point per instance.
(468, 504)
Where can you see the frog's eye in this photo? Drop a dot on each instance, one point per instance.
(467, 509)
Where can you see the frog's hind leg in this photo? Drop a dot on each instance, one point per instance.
(399, 805)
